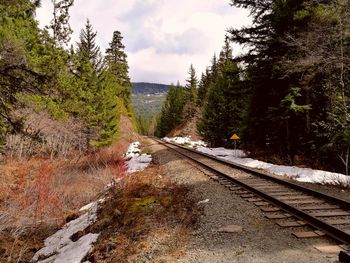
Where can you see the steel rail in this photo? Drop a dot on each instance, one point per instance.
(328, 229)
(341, 202)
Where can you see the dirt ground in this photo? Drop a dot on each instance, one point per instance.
(260, 240)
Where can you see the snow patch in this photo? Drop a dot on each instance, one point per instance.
(76, 251)
(185, 141)
(222, 152)
(135, 160)
(239, 157)
(87, 207)
(133, 150)
(60, 248)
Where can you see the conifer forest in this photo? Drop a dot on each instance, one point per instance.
(287, 95)
(74, 84)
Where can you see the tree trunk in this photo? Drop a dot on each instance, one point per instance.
(308, 121)
(289, 144)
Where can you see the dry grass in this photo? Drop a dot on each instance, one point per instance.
(188, 128)
(37, 195)
(147, 217)
(44, 136)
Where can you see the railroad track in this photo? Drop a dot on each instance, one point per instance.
(283, 199)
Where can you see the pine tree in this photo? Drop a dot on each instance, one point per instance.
(108, 109)
(87, 46)
(272, 21)
(207, 79)
(192, 90)
(116, 61)
(213, 68)
(226, 102)
(172, 110)
(202, 88)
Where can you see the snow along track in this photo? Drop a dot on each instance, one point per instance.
(329, 214)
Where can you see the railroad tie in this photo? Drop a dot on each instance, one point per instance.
(247, 195)
(296, 197)
(339, 222)
(329, 249)
(308, 234)
(252, 200)
(330, 214)
(291, 224)
(300, 202)
(320, 207)
(270, 209)
(263, 203)
(278, 216)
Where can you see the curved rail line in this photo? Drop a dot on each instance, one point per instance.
(293, 202)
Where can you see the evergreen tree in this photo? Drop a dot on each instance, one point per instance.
(87, 46)
(272, 21)
(108, 107)
(203, 86)
(191, 82)
(172, 110)
(192, 90)
(213, 68)
(225, 106)
(116, 60)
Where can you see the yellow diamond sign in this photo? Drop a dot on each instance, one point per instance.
(235, 137)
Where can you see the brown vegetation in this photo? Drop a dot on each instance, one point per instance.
(147, 218)
(187, 128)
(127, 132)
(44, 136)
(37, 195)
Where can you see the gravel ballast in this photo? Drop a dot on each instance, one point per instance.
(257, 239)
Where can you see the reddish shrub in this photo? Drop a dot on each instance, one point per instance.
(120, 168)
(46, 199)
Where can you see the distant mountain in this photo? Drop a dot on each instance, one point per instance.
(149, 88)
(148, 98)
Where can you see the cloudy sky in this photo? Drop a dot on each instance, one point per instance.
(162, 37)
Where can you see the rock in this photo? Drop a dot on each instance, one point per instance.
(203, 202)
(230, 229)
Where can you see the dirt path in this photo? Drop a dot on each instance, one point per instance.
(260, 239)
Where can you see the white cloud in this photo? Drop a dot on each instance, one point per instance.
(162, 37)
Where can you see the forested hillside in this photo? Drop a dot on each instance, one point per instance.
(149, 88)
(180, 105)
(77, 89)
(147, 100)
(288, 95)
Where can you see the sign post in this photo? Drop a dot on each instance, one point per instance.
(235, 138)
